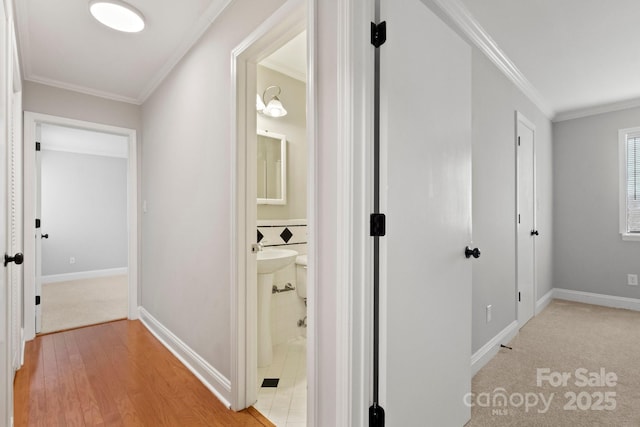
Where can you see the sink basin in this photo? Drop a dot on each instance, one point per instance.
(272, 260)
(269, 261)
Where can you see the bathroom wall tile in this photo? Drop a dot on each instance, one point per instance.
(281, 233)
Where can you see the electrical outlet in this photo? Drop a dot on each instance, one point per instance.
(488, 313)
(632, 279)
(72, 260)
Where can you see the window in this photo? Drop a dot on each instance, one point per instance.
(630, 183)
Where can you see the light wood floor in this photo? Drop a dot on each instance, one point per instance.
(114, 374)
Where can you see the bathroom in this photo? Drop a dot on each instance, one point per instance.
(281, 225)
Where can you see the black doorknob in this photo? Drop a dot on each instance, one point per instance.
(468, 252)
(535, 233)
(44, 236)
(17, 258)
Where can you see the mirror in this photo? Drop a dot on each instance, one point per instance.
(272, 168)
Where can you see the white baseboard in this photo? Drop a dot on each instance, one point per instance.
(597, 299)
(22, 346)
(543, 302)
(54, 278)
(207, 374)
(490, 349)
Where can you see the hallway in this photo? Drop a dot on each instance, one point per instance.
(114, 374)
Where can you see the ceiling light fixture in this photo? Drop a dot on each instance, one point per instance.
(274, 107)
(118, 15)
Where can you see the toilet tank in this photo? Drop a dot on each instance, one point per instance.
(301, 275)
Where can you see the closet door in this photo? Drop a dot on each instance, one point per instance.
(425, 90)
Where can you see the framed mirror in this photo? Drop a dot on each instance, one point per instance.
(272, 168)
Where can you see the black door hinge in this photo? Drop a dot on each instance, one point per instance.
(518, 140)
(378, 225)
(37, 223)
(37, 146)
(378, 33)
(37, 299)
(519, 297)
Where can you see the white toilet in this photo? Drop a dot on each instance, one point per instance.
(301, 283)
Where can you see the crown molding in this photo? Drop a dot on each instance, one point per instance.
(456, 12)
(598, 109)
(208, 17)
(81, 89)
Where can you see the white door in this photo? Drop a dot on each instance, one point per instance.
(6, 371)
(526, 221)
(38, 234)
(426, 195)
(15, 215)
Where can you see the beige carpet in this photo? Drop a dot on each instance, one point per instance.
(565, 338)
(67, 305)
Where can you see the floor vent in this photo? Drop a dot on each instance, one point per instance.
(270, 382)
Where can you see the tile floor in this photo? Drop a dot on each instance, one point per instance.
(285, 405)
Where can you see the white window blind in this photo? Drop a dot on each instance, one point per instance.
(633, 183)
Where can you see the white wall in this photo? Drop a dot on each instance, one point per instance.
(589, 252)
(84, 212)
(39, 98)
(293, 125)
(495, 99)
(186, 181)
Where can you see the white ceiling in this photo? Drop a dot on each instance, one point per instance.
(290, 59)
(575, 53)
(62, 45)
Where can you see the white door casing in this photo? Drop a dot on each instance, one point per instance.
(38, 231)
(525, 219)
(287, 22)
(426, 194)
(31, 199)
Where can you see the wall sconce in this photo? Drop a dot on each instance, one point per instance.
(273, 107)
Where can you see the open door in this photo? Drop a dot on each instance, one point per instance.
(38, 235)
(425, 117)
(15, 214)
(6, 370)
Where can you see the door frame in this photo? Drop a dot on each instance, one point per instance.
(31, 121)
(288, 21)
(520, 118)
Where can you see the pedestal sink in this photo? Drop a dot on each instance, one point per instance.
(269, 261)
